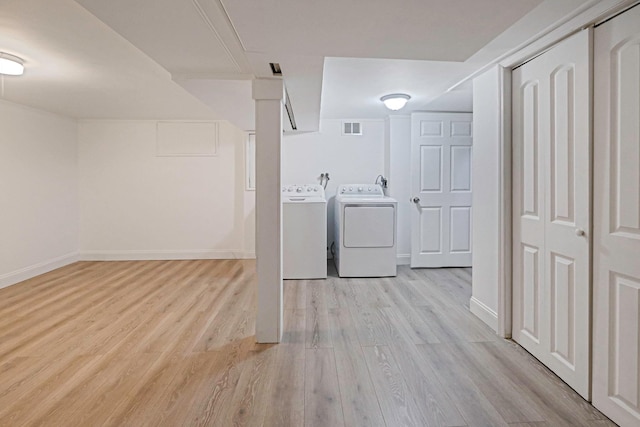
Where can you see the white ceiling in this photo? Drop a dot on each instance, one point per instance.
(442, 30)
(353, 86)
(152, 59)
(79, 67)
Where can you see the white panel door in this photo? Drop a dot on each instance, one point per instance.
(441, 188)
(551, 209)
(616, 259)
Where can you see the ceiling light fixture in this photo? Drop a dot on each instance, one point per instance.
(395, 101)
(11, 65)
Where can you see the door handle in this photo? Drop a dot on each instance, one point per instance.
(580, 232)
(416, 200)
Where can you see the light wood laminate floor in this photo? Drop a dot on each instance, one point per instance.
(171, 343)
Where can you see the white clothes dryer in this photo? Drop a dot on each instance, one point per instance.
(365, 231)
(304, 232)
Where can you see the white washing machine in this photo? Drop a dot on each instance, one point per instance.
(365, 231)
(304, 232)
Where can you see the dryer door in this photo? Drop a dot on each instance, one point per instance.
(369, 226)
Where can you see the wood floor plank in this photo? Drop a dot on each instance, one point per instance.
(38, 400)
(364, 295)
(396, 401)
(402, 314)
(452, 288)
(455, 324)
(561, 405)
(99, 394)
(607, 423)
(136, 343)
(248, 403)
(207, 398)
(152, 386)
(437, 405)
(340, 293)
(511, 400)
(359, 403)
(531, 424)
(472, 404)
(323, 406)
(317, 316)
(286, 399)
(295, 294)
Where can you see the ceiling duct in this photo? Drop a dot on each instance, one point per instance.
(277, 71)
(289, 108)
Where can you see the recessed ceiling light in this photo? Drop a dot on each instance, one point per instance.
(11, 65)
(395, 101)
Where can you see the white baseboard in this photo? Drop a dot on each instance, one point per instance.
(37, 269)
(142, 255)
(484, 313)
(403, 259)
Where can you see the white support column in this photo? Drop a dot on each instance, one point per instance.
(268, 96)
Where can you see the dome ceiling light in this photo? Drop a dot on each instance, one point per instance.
(11, 65)
(395, 101)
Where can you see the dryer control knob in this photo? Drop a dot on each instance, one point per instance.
(299, 189)
(360, 189)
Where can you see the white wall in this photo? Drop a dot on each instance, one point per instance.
(488, 152)
(347, 159)
(398, 157)
(135, 205)
(38, 192)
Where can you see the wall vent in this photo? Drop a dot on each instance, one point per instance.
(351, 128)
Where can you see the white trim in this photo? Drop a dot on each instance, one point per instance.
(403, 259)
(484, 313)
(504, 222)
(34, 270)
(144, 255)
(250, 161)
(147, 121)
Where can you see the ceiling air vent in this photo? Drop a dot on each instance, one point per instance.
(275, 68)
(351, 128)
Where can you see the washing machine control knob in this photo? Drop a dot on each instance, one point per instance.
(299, 189)
(369, 189)
(360, 189)
(350, 188)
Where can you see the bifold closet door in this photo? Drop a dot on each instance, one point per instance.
(551, 208)
(616, 258)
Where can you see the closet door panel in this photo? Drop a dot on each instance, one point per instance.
(551, 181)
(616, 261)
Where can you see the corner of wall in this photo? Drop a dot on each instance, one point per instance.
(31, 271)
(484, 313)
